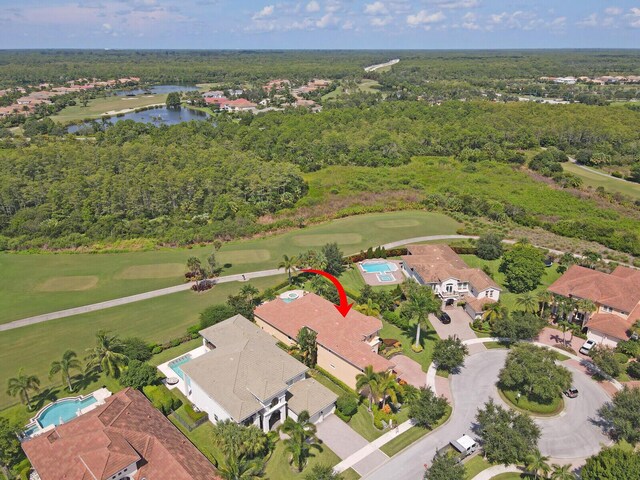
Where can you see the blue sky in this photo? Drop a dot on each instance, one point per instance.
(325, 24)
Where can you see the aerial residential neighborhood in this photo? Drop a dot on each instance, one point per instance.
(319, 240)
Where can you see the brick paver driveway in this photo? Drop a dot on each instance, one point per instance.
(345, 441)
(410, 371)
(459, 324)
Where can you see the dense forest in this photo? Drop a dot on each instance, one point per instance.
(200, 180)
(415, 67)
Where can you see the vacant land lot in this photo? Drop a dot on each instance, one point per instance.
(42, 283)
(157, 320)
(612, 185)
(99, 106)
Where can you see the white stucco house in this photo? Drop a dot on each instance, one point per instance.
(244, 376)
(450, 278)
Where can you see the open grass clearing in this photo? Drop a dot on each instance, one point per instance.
(428, 337)
(158, 270)
(99, 107)
(156, 320)
(278, 466)
(474, 466)
(410, 436)
(612, 185)
(22, 274)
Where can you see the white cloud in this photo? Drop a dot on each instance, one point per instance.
(469, 21)
(613, 11)
(265, 12)
(634, 17)
(424, 18)
(558, 23)
(326, 21)
(590, 21)
(380, 21)
(313, 6)
(348, 25)
(375, 8)
(454, 4)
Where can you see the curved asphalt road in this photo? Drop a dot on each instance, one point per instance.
(569, 435)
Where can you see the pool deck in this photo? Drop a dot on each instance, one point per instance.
(372, 278)
(169, 373)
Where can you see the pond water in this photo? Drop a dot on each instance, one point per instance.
(157, 89)
(158, 116)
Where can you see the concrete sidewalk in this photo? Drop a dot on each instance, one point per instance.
(491, 472)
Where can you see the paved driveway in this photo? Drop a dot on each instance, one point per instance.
(570, 435)
(410, 371)
(345, 441)
(459, 325)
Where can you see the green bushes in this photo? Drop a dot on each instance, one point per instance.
(162, 398)
(634, 370)
(383, 415)
(192, 414)
(347, 406)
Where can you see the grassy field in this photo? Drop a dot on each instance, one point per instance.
(33, 284)
(530, 406)
(612, 185)
(278, 466)
(156, 320)
(365, 86)
(100, 106)
(428, 339)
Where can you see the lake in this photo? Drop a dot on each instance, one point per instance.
(157, 116)
(157, 89)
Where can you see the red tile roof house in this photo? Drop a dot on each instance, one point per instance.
(450, 278)
(239, 105)
(616, 296)
(125, 439)
(346, 345)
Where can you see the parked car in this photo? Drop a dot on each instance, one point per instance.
(571, 392)
(587, 346)
(465, 445)
(444, 318)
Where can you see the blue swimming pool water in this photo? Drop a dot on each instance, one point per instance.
(379, 267)
(176, 364)
(386, 277)
(63, 410)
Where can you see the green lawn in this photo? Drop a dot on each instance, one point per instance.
(474, 466)
(612, 185)
(202, 438)
(511, 476)
(278, 466)
(527, 405)
(412, 435)
(99, 106)
(428, 339)
(33, 284)
(159, 320)
(507, 298)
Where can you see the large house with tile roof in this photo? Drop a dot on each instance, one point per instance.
(247, 378)
(346, 345)
(124, 439)
(616, 296)
(450, 277)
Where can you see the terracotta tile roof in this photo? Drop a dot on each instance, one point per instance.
(613, 325)
(100, 443)
(344, 336)
(437, 263)
(619, 290)
(477, 304)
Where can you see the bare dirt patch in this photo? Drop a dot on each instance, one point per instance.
(68, 284)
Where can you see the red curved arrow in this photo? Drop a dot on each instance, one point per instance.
(344, 306)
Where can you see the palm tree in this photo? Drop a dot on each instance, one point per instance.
(421, 303)
(107, 354)
(545, 298)
(561, 472)
(587, 307)
(250, 293)
(493, 311)
(289, 264)
(388, 387)
(528, 302)
(241, 468)
(67, 363)
(307, 346)
(302, 438)
(194, 265)
(564, 326)
(22, 385)
(370, 308)
(369, 380)
(536, 463)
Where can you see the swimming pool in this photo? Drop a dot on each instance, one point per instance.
(291, 295)
(378, 267)
(63, 410)
(385, 277)
(177, 363)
